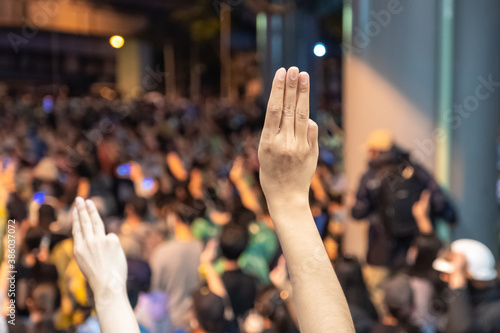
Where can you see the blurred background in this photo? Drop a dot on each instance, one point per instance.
(411, 67)
(114, 99)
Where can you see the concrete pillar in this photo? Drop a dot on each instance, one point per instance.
(475, 120)
(135, 73)
(391, 80)
(290, 42)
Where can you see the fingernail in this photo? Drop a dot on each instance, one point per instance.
(304, 78)
(280, 74)
(294, 72)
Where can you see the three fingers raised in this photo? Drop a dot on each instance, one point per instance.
(87, 222)
(288, 106)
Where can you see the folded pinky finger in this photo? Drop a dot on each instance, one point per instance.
(312, 134)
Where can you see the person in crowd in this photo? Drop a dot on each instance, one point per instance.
(136, 211)
(288, 153)
(474, 297)
(241, 287)
(138, 237)
(224, 304)
(386, 194)
(424, 279)
(138, 285)
(32, 270)
(212, 305)
(46, 216)
(364, 314)
(42, 305)
(272, 306)
(210, 312)
(174, 265)
(398, 297)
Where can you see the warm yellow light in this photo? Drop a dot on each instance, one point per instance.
(117, 41)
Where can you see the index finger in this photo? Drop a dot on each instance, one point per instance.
(275, 104)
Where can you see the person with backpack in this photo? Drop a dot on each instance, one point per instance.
(386, 194)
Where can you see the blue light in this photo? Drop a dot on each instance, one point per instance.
(48, 104)
(39, 198)
(6, 161)
(319, 49)
(123, 170)
(147, 184)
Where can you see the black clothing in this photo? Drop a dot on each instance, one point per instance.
(474, 310)
(362, 320)
(33, 276)
(242, 290)
(381, 328)
(385, 249)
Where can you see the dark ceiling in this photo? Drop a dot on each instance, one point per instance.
(142, 6)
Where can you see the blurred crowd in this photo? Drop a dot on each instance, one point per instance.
(177, 181)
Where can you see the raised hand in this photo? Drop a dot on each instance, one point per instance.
(7, 182)
(279, 275)
(288, 149)
(99, 256)
(288, 154)
(208, 255)
(214, 280)
(420, 211)
(102, 262)
(458, 278)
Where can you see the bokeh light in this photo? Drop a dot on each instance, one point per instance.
(319, 49)
(117, 41)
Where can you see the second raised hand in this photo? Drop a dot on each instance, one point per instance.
(99, 256)
(102, 261)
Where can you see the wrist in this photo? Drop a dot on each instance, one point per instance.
(205, 266)
(110, 298)
(288, 200)
(457, 280)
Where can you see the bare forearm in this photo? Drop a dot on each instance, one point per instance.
(247, 196)
(214, 281)
(424, 224)
(115, 313)
(320, 302)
